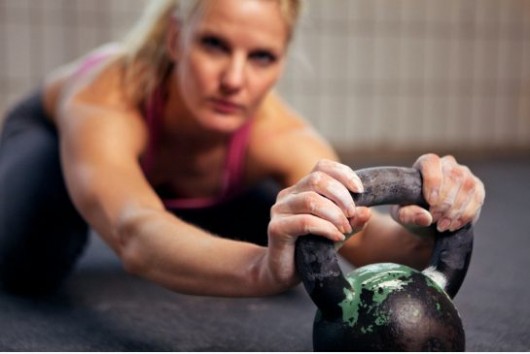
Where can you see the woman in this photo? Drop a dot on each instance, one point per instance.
(158, 144)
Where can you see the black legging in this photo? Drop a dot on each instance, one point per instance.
(42, 234)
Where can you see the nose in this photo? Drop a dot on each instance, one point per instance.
(233, 75)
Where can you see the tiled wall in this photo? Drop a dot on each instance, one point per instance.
(39, 35)
(370, 74)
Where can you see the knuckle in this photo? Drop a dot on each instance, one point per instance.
(283, 193)
(315, 179)
(469, 184)
(466, 170)
(456, 173)
(321, 164)
(429, 156)
(423, 159)
(449, 158)
(274, 227)
(480, 196)
(310, 201)
(275, 210)
(306, 226)
(430, 167)
(431, 179)
(454, 170)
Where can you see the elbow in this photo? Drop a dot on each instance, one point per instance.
(129, 248)
(132, 262)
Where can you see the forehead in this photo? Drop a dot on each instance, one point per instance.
(258, 22)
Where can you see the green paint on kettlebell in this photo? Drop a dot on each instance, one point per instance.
(382, 319)
(368, 329)
(350, 304)
(380, 280)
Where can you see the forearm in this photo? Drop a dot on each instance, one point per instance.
(161, 248)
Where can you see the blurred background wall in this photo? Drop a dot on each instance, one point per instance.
(376, 76)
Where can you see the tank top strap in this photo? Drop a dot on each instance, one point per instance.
(235, 160)
(96, 57)
(153, 111)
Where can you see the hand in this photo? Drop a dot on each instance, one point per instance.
(454, 194)
(319, 204)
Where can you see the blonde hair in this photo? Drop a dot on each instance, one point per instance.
(145, 58)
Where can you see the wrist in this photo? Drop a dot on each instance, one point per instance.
(279, 263)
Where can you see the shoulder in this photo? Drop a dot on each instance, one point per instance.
(283, 144)
(92, 100)
(95, 76)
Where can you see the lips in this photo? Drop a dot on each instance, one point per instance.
(226, 106)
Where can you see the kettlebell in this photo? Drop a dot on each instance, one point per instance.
(387, 306)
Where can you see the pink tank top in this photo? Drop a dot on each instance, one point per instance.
(232, 182)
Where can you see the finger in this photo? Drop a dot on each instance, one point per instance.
(457, 191)
(411, 215)
(362, 215)
(471, 208)
(304, 224)
(342, 173)
(330, 188)
(313, 203)
(451, 213)
(454, 176)
(358, 222)
(431, 170)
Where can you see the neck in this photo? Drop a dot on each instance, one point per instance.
(181, 127)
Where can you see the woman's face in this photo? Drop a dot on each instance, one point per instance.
(228, 59)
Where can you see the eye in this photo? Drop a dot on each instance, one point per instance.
(213, 43)
(263, 57)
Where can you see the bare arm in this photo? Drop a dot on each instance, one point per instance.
(317, 200)
(99, 150)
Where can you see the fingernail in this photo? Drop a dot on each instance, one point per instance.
(422, 219)
(358, 184)
(444, 224)
(351, 211)
(455, 225)
(346, 228)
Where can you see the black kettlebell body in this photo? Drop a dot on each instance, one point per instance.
(387, 306)
(392, 308)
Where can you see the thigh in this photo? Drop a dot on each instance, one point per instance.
(41, 233)
(245, 217)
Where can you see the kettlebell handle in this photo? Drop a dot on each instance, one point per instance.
(316, 257)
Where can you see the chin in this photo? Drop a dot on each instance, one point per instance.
(224, 123)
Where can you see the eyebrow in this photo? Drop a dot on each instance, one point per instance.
(210, 32)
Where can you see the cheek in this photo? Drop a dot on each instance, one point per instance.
(193, 81)
(262, 85)
(200, 74)
(270, 78)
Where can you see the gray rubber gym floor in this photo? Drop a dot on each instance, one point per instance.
(101, 308)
